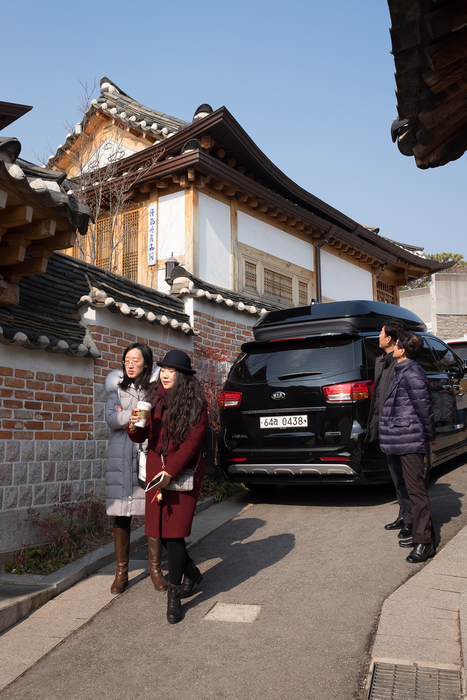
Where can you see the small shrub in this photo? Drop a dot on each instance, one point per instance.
(68, 531)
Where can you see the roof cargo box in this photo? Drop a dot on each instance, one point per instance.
(333, 317)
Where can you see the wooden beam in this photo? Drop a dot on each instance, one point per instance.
(34, 266)
(16, 216)
(12, 256)
(217, 185)
(252, 202)
(220, 153)
(41, 251)
(9, 295)
(282, 217)
(200, 182)
(162, 184)
(232, 162)
(263, 207)
(64, 239)
(207, 142)
(229, 191)
(145, 187)
(40, 229)
(184, 181)
(242, 196)
(446, 52)
(447, 19)
(191, 174)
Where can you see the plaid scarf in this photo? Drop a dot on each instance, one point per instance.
(158, 408)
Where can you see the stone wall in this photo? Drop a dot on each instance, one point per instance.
(53, 434)
(450, 327)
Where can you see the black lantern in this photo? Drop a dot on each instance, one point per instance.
(170, 265)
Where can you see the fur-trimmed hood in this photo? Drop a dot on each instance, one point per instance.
(112, 380)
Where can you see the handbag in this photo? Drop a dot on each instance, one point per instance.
(185, 481)
(141, 461)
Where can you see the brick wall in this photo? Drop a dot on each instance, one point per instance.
(53, 434)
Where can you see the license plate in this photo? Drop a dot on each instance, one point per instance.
(283, 421)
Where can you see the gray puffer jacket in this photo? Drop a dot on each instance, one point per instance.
(123, 496)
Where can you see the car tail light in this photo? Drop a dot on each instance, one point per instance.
(350, 391)
(229, 399)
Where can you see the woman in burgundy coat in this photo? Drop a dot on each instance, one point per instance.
(175, 431)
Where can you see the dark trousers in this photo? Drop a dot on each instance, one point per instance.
(412, 470)
(405, 508)
(176, 558)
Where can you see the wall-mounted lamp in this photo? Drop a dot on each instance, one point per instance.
(170, 264)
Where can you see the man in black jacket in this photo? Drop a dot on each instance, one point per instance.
(384, 373)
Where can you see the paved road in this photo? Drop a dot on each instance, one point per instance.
(318, 565)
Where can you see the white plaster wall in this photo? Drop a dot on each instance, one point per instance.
(340, 280)
(214, 241)
(272, 240)
(152, 331)
(171, 225)
(418, 301)
(450, 293)
(17, 357)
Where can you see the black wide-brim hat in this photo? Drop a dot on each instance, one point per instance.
(179, 360)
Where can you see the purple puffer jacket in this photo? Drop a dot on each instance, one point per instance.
(406, 422)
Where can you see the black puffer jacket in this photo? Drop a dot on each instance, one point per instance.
(406, 422)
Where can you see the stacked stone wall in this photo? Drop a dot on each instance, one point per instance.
(449, 327)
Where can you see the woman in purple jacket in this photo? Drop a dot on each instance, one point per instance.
(406, 429)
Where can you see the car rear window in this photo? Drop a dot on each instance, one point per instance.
(299, 362)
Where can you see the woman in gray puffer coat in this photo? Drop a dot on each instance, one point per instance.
(124, 497)
(406, 428)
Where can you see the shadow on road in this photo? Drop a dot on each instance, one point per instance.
(326, 496)
(242, 557)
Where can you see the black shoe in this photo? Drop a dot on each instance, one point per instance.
(191, 576)
(405, 532)
(174, 607)
(421, 552)
(396, 525)
(406, 543)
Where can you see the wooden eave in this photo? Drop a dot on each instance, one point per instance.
(429, 44)
(34, 222)
(10, 112)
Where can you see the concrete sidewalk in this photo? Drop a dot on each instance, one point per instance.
(63, 602)
(421, 627)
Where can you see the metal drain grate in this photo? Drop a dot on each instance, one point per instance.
(396, 682)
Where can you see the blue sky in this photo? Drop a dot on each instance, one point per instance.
(311, 82)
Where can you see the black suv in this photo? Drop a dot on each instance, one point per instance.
(295, 405)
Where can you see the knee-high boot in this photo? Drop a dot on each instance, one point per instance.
(122, 554)
(155, 553)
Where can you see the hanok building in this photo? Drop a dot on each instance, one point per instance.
(204, 193)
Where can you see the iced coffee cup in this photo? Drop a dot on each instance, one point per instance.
(143, 408)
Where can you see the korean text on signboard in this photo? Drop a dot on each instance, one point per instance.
(152, 259)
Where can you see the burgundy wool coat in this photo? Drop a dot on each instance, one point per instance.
(173, 515)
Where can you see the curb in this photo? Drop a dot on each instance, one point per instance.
(27, 592)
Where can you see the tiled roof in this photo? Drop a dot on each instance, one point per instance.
(199, 289)
(119, 106)
(47, 317)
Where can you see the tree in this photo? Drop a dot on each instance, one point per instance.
(96, 178)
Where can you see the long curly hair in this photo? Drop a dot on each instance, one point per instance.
(184, 406)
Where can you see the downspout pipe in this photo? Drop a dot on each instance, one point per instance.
(318, 277)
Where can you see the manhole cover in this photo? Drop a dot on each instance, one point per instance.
(397, 682)
(233, 612)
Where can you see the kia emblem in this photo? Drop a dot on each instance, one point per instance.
(278, 395)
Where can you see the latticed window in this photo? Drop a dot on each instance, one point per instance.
(302, 293)
(103, 243)
(130, 245)
(277, 285)
(385, 292)
(250, 276)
